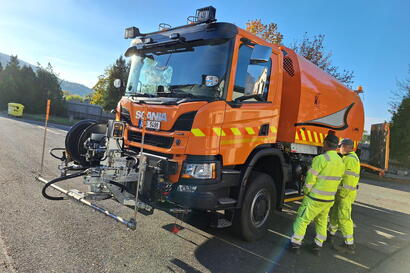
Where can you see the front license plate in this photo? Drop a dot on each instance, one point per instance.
(153, 124)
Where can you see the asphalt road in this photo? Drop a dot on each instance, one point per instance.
(38, 235)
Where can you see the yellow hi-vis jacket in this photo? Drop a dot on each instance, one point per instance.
(323, 178)
(351, 176)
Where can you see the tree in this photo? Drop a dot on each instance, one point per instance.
(11, 88)
(32, 89)
(49, 88)
(74, 98)
(365, 137)
(400, 125)
(313, 50)
(105, 93)
(267, 32)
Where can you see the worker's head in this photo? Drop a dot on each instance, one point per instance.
(330, 142)
(346, 146)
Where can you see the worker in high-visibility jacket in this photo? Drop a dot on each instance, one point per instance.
(341, 212)
(321, 184)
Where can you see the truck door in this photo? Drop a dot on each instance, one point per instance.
(251, 116)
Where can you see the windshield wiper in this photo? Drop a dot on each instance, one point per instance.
(141, 95)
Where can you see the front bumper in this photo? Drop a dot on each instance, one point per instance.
(206, 196)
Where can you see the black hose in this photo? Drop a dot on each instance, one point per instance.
(57, 157)
(59, 179)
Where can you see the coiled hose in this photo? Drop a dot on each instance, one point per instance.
(59, 179)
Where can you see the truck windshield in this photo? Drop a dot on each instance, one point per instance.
(182, 71)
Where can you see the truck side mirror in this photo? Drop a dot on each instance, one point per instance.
(260, 54)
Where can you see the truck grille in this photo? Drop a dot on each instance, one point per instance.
(153, 140)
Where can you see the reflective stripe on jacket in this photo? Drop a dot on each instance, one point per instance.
(351, 175)
(323, 178)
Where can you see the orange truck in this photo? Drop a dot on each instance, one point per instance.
(214, 119)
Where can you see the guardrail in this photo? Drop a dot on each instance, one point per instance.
(78, 110)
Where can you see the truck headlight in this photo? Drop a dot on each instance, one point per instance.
(199, 171)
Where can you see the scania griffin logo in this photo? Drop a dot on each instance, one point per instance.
(157, 116)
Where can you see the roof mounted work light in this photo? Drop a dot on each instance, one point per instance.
(131, 32)
(205, 14)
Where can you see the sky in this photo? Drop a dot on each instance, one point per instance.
(80, 38)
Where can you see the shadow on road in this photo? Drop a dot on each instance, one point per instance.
(379, 232)
(394, 185)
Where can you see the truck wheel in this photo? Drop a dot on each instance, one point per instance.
(253, 218)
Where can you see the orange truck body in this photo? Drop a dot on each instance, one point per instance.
(303, 105)
(307, 95)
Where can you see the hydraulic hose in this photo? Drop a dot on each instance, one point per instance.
(59, 179)
(55, 156)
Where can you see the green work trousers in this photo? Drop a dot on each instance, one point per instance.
(341, 217)
(311, 210)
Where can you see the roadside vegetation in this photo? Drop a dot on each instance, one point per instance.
(400, 123)
(21, 84)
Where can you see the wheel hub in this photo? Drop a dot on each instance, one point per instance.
(260, 208)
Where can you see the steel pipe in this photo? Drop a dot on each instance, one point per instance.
(129, 223)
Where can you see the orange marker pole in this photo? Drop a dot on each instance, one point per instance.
(45, 134)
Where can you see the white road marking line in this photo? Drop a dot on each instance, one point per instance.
(280, 234)
(384, 234)
(392, 230)
(9, 260)
(350, 261)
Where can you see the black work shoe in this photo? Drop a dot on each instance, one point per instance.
(331, 239)
(344, 248)
(294, 248)
(316, 249)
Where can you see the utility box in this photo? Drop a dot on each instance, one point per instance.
(379, 142)
(15, 109)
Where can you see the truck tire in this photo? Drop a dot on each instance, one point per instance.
(252, 220)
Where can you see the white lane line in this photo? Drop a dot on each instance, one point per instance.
(8, 259)
(392, 230)
(49, 130)
(280, 234)
(350, 261)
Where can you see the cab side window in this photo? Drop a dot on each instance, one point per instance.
(251, 78)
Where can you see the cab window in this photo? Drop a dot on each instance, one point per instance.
(251, 78)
